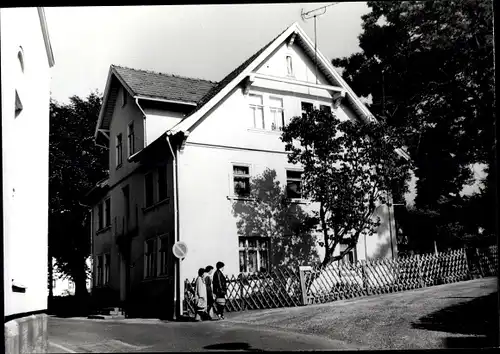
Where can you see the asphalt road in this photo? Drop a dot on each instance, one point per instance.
(459, 315)
(81, 335)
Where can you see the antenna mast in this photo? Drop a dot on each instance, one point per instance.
(313, 14)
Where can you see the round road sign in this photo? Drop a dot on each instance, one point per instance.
(180, 249)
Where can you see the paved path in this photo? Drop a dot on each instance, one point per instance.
(77, 335)
(447, 316)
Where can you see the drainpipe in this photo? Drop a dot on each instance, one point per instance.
(177, 263)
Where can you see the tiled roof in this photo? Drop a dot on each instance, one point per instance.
(164, 86)
(232, 75)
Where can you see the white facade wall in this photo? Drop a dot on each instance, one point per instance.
(226, 136)
(25, 154)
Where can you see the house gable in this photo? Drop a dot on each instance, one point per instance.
(243, 75)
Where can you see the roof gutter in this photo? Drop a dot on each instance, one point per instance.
(164, 100)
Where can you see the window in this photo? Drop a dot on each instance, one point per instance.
(18, 106)
(124, 97)
(107, 264)
(277, 113)
(150, 259)
(307, 107)
(126, 201)
(119, 157)
(148, 180)
(99, 270)
(163, 254)
(107, 212)
(294, 184)
(241, 181)
(131, 139)
(254, 254)
(100, 211)
(350, 257)
(289, 67)
(162, 183)
(257, 109)
(325, 108)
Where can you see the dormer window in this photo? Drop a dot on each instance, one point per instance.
(289, 66)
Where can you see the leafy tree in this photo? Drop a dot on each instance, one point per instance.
(348, 169)
(269, 213)
(76, 165)
(429, 68)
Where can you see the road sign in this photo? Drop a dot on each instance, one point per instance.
(180, 249)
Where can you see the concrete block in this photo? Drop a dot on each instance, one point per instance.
(26, 335)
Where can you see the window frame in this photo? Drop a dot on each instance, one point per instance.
(119, 150)
(304, 111)
(254, 107)
(247, 176)
(258, 249)
(346, 260)
(107, 212)
(289, 65)
(107, 268)
(146, 204)
(99, 270)
(296, 180)
(130, 139)
(163, 254)
(275, 109)
(150, 266)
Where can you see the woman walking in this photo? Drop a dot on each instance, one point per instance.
(200, 296)
(210, 294)
(220, 289)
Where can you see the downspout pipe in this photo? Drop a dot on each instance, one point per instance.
(177, 278)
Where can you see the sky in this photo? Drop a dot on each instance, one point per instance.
(202, 41)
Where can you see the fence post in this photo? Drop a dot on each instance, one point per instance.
(419, 258)
(303, 288)
(469, 273)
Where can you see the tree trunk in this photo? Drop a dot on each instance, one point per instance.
(51, 278)
(324, 227)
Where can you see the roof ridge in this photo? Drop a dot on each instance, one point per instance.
(164, 74)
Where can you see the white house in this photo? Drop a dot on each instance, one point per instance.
(26, 61)
(177, 149)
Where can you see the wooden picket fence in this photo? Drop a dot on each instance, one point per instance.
(283, 287)
(280, 287)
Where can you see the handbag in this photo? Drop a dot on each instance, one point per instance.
(220, 301)
(201, 304)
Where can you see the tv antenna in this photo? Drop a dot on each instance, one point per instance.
(313, 14)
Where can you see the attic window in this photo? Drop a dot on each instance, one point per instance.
(124, 97)
(289, 67)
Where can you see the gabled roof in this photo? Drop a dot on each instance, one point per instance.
(164, 86)
(149, 85)
(231, 76)
(238, 75)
